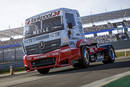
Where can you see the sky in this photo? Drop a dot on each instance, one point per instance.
(14, 12)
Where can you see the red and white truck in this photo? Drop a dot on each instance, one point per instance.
(56, 39)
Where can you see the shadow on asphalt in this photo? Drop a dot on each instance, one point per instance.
(116, 65)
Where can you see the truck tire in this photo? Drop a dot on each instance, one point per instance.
(84, 62)
(43, 71)
(112, 56)
(76, 65)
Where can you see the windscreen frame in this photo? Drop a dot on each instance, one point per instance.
(53, 19)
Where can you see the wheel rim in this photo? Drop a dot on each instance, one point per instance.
(112, 54)
(85, 53)
(86, 56)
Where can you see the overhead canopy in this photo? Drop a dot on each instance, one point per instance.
(8, 33)
(106, 16)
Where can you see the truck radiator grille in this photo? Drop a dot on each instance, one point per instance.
(43, 48)
(43, 62)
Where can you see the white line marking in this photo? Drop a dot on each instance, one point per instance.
(104, 81)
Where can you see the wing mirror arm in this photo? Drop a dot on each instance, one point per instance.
(69, 31)
(70, 25)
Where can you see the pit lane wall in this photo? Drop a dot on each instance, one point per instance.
(121, 44)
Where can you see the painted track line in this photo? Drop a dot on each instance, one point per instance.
(107, 80)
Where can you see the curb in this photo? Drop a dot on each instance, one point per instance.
(122, 57)
(107, 80)
(15, 73)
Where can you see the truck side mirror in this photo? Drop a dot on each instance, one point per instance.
(70, 25)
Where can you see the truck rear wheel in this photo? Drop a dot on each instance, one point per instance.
(43, 71)
(112, 55)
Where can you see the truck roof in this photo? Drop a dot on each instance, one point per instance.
(63, 9)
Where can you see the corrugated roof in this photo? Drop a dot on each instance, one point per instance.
(11, 32)
(106, 16)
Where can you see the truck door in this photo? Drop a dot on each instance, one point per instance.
(73, 31)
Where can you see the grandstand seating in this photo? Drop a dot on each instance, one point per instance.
(105, 26)
(12, 41)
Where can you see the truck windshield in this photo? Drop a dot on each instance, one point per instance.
(44, 26)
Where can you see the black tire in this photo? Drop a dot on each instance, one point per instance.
(76, 65)
(112, 56)
(43, 71)
(84, 62)
(105, 62)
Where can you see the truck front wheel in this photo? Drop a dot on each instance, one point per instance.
(84, 57)
(43, 71)
(84, 61)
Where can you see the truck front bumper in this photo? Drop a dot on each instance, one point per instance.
(57, 58)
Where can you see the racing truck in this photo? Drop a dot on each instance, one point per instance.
(56, 39)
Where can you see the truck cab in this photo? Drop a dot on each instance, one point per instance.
(58, 28)
(55, 39)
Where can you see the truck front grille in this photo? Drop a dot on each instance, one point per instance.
(43, 48)
(43, 62)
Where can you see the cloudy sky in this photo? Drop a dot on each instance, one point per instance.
(14, 12)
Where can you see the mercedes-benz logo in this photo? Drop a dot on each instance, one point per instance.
(42, 44)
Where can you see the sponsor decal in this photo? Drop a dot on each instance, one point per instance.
(27, 22)
(55, 53)
(43, 17)
(65, 50)
(40, 57)
(29, 58)
(54, 34)
(42, 44)
(28, 41)
(41, 38)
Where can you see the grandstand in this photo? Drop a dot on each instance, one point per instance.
(106, 26)
(106, 16)
(115, 25)
(11, 32)
(10, 44)
(11, 39)
(104, 33)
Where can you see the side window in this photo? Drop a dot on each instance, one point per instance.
(70, 19)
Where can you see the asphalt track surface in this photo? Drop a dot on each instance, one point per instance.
(67, 76)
